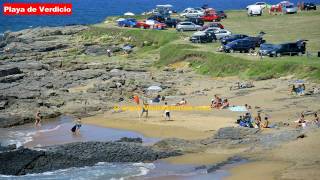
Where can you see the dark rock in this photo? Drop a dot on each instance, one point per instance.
(11, 78)
(9, 70)
(78, 154)
(235, 133)
(132, 140)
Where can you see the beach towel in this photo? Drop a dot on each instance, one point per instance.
(238, 108)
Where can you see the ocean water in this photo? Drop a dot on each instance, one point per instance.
(94, 11)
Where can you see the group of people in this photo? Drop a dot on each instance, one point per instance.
(75, 129)
(300, 90)
(219, 103)
(247, 121)
(302, 122)
(157, 99)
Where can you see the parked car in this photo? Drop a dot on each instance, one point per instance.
(231, 38)
(192, 13)
(254, 10)
(187, 26)
(257, 41)
(241, 45)
(203, 37)
(158, 18)
(222, 14)
(150, 24)
(213, 24)
(290, 9)
(277, 50)
(309, 6)
(211, 17)
(196, 20)
(221, 33)
(171, 22)
(130, 22)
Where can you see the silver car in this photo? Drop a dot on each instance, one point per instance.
(187, 26)
(290, 9)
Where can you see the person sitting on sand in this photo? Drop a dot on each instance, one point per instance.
(301, 121)
(293, 90)
(225, 104)
(145, 109)
(214, 101)
(265, 124)
(258, 120)
(248, 107)
(166, 111)
(156, 99)
(38, 119)
(182, 102)
(239, 120)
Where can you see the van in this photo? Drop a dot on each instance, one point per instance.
(254, 10)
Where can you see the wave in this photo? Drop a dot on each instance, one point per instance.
(102, 170)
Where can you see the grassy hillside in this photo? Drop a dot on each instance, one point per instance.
(174, 46)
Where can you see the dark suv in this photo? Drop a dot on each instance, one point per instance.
(171, 22)
(231, 38)
(197, 21)
(205, 37)
(277, 50)
(309, 6)
(241, 45)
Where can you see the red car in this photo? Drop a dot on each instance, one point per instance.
(213, 24)
(151, 24)
(210, 15)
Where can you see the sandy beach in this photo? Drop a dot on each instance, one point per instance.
(270, 97)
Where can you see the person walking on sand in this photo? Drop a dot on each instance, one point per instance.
(145, 109)
(38, 119)
(166, 112)
(136, 99)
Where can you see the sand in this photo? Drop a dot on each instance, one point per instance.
(270, 96)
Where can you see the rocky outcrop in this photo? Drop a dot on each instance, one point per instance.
(235, 133)
(23, 161)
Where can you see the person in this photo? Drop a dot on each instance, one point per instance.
(258, 120)
(265, 124)
(225, 104)
(145, 109)
(76, 128)
(136, 99)
(301, 121)
(214, 101)
(239, 120)
(156, 99)
(293, 90)
(166, 111)
(248, 107)
(109, 52)
(182, 102)
(316, 119)
(38, 119)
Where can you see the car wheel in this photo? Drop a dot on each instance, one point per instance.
(278, 55)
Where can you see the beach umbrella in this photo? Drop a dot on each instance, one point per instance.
(154, 88)
(129, 14)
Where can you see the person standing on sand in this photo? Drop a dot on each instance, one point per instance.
(166, 112)
(38, 119)
(136, 99)
(145, 109)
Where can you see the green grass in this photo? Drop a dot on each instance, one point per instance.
(169, 46)
(222, 65)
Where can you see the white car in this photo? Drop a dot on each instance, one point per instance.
(191, 13)
(221, 33)
(254, 10)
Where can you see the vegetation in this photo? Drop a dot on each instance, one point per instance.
(174, 47)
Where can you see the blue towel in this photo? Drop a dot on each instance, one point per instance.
(238, 108)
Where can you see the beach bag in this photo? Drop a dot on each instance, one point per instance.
(73, 129)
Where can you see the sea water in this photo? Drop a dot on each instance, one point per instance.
(94, 11)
